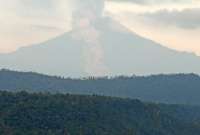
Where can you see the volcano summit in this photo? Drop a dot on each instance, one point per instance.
(99, 46)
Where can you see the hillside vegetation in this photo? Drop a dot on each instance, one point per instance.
(46, 114)
(173, 89)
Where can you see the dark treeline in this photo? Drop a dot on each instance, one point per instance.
(173, 89)
(64, 114)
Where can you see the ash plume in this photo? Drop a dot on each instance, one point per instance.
(84, 17)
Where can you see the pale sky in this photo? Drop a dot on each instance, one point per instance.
(172, 23)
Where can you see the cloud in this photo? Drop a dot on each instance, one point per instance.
(38, 4)
(26, 22)
(151, 2)
(187, 18)
(45, 28)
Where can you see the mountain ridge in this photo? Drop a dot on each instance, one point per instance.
(173, 89)
(118, 52)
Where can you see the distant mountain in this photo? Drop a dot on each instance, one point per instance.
(174, 89)
(120, 51)
(40, 114)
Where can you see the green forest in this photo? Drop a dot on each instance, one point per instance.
(22, 113)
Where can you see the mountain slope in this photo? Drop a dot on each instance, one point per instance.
(174, 89)
(123, 52)
(37, 114)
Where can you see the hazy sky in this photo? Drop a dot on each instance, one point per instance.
(173, 23)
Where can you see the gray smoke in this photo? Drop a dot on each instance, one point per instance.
(87, 9)
(84, 16)
(95, 6)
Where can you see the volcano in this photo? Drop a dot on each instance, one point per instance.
(124, 53)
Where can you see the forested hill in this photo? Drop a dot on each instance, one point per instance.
(174, 89)
(59, 114)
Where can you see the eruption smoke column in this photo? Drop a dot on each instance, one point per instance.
(84, 18)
